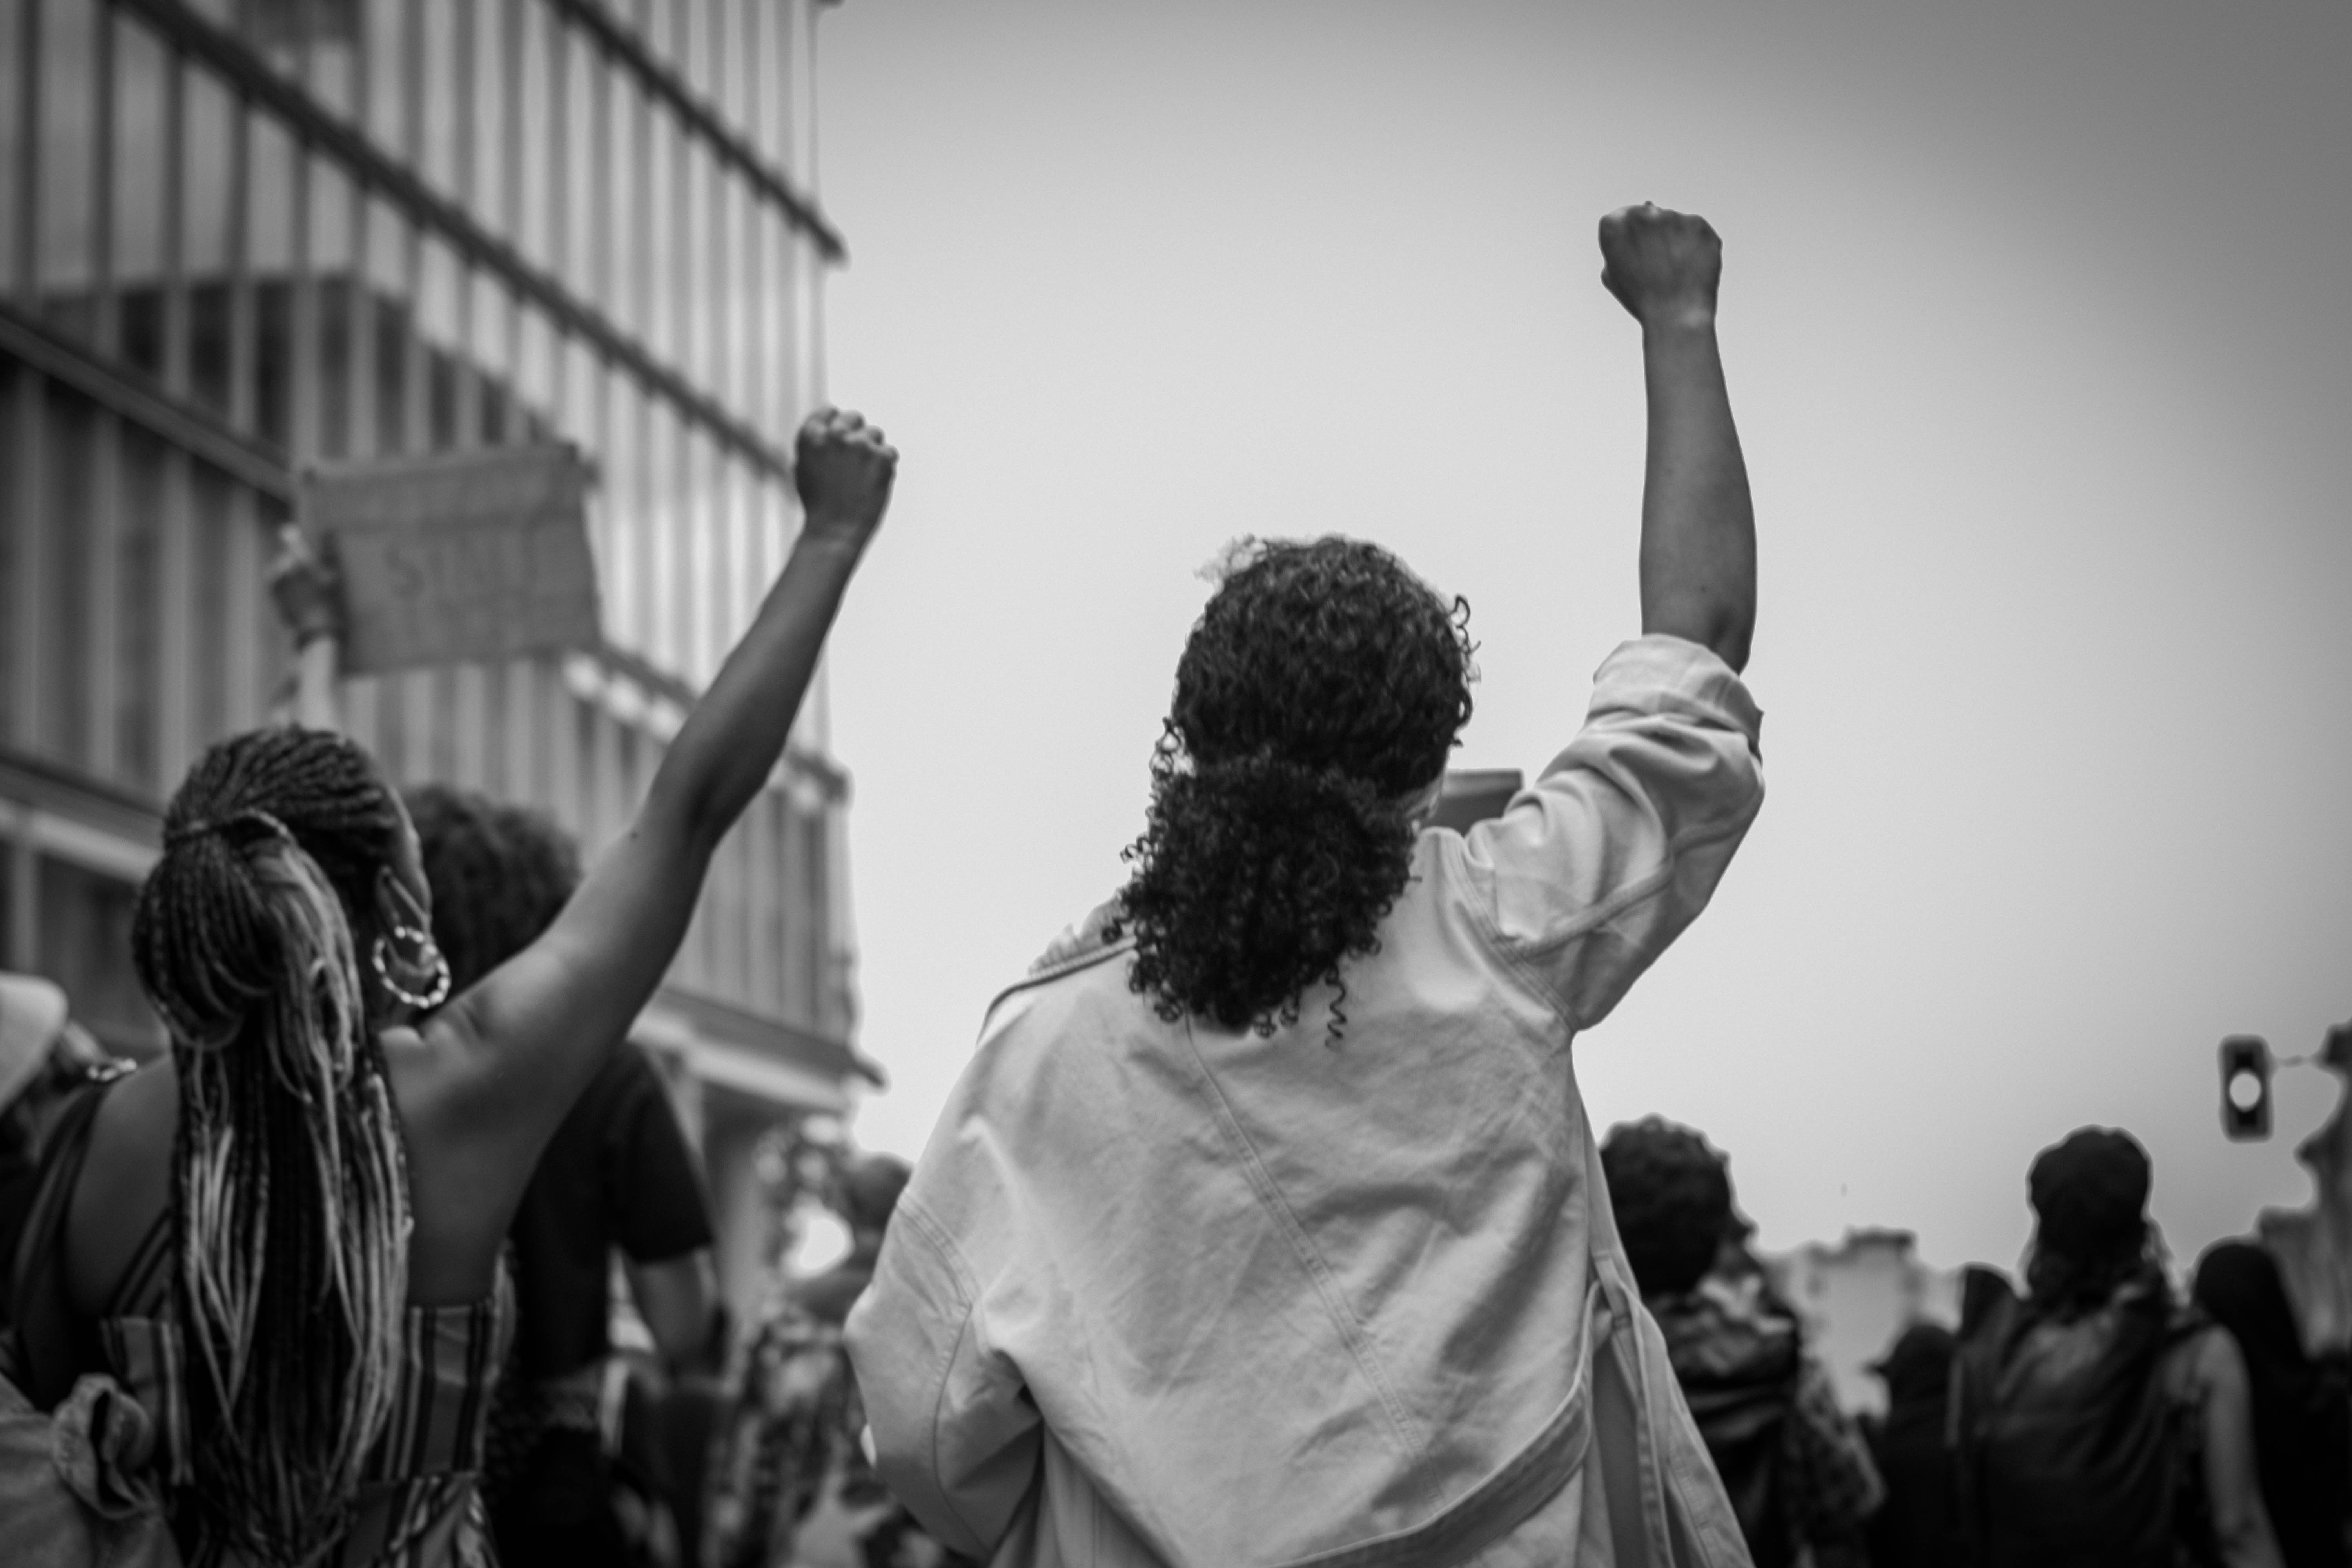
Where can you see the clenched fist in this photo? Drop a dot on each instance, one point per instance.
(1661, 265)
(843, 469)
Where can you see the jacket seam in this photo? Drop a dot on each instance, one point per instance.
(1052, 971)
(1517, 956)
(966, 1287)
(1352, 1332)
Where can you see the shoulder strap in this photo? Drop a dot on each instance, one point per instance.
(52, 1344)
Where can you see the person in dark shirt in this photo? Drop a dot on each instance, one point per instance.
(1800, 1478)
(618, 1174)
(1918, 1527)
(2301, 1426)
(45, 1057)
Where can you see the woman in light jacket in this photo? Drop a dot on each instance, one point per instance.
(1265, 1225)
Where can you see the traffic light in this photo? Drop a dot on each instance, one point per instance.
(2245, 1088)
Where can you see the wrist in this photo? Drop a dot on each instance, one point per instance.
(1696, 316)
(832, 536)
(310, 631)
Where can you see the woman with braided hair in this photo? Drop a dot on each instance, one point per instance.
(283, 1239)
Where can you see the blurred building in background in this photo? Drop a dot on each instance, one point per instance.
(1857, 1298)
(241, 237)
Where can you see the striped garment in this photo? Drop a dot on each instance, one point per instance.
(418, 1506)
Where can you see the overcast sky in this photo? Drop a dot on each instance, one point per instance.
(2035, 317)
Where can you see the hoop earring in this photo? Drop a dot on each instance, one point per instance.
(432, 996)
(418, 935)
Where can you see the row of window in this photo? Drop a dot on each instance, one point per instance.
(128, 172)
(133, 630)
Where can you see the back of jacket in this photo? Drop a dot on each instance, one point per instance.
(1163, 1293)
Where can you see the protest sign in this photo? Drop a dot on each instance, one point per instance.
(475, 556)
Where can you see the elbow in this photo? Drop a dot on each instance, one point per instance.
(2242, 1532)
(1725, 625)
(1731, 644)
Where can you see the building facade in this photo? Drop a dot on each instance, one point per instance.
(239, 237)
(1857, 1298)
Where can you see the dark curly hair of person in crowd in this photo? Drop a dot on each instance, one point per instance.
(500, 874)
(2091, 1233)
(1672, 1195)
(1319, 694)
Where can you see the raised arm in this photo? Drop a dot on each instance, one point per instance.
(2234, 1487)
(1698, 527)
(529, 1036)
(303, 586)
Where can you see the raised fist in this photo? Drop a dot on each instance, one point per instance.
(843, 469)
(1661, 265)
(305, 587)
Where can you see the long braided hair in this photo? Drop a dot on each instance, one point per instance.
(290, 1191)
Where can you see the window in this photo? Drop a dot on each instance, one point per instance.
(211, 155)
(448, 162)
(535, 126)
(385, 37)
(487, 160)
(67, 217)
(69, 510)
(138, 674)
(270, 242)
(16, 512)
(142, 151)
(334, 267)
(84, 944)
(13, 87)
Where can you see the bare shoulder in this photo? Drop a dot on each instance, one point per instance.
(430, 1069)
(2206, 1360)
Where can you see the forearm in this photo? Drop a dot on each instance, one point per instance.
(674, 1297)
(1698, 523)
(731, 739)
(318, 686)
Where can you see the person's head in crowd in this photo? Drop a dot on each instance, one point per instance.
(1672, 1193)
(1917, 1368)
(32, 1019)
(2089, 1193)
(866, 1194)
(1316, 701)
(500, 874)
(42, 1052)
(287, 922)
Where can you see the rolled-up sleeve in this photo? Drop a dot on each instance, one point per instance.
(1595, 868)
(955, 1434)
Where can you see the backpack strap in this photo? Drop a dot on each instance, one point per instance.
(51, 1344)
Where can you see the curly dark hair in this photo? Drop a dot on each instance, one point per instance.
(1672, 1193)
(1322, 686)
(500, 873)
(2064, 1284)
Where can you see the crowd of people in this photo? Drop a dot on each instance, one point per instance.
(1265, 1226)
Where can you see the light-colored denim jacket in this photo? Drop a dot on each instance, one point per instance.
(1165, 1294)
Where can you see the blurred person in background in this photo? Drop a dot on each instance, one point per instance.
(45, 1057)
(1799, 1475)
(1917, 1527)
(2301, 1410)
(2099, 1424)
(618, 1176)
(793, 1486)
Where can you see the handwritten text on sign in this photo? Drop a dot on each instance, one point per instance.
(479, 555)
